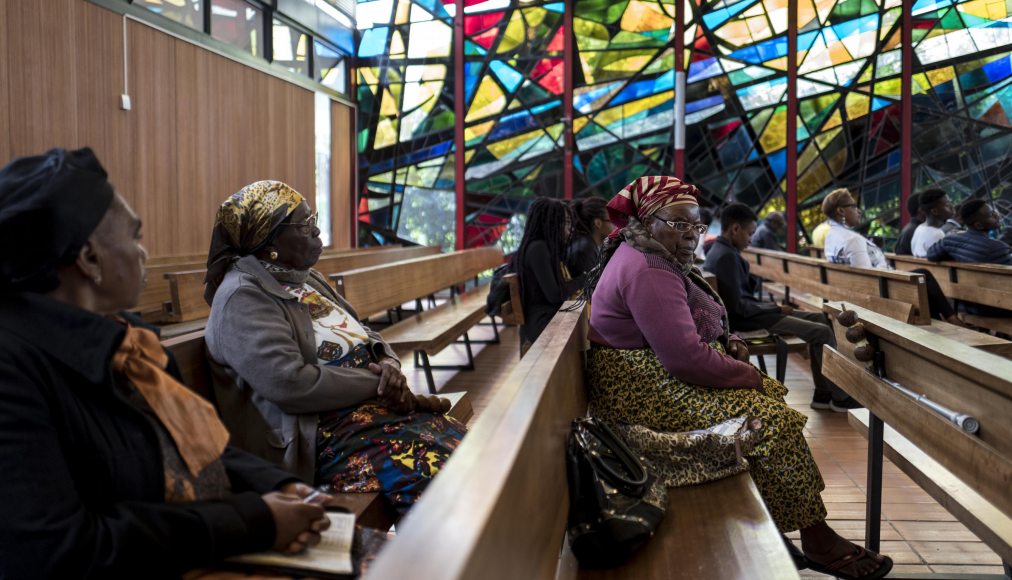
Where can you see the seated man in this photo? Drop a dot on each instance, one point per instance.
(736, 287)
(766, 236)
(955, 224)
(937, 209)
(917, 218)
(973, 245)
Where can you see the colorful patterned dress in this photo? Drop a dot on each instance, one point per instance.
(368, 447)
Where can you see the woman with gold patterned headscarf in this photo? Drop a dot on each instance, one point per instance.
(298, 379)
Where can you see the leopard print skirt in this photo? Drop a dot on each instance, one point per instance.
(632, 387)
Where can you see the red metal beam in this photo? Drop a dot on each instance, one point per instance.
(567, 100)
(680, 90)
(792, 125)
(353, 90)
(460, 109)
(906, 111)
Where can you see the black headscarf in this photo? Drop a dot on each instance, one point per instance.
(49, 205)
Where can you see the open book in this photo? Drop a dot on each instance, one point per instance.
(332, 556)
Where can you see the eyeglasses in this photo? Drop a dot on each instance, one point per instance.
(305, 228)
(684, 227)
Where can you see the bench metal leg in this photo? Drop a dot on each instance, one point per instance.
(1007, 567)
(429, 367)
(781, 360)
(873, 513)
(418, 305)
(495, 332)
(762, 363)
(432, 300)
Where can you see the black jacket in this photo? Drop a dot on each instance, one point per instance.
(971, 246)
(906, 237)
(737, 286)
(542, 288)
(82, 487)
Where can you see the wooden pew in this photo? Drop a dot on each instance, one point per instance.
(186, 287)
(382, 288)
(898, 294)
(156, 292)
(970, 475)
(498, 508)
(987, 284)
(371, 510)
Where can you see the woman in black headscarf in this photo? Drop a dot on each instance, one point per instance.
(111, 467)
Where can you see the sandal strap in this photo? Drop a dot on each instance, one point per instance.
(859, 554)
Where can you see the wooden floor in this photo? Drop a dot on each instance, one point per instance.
(919, 535)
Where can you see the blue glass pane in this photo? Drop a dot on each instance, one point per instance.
(507, 75)
(374, 42)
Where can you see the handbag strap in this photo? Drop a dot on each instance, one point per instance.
(635, 484)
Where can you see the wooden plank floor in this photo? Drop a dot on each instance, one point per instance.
(917, 532)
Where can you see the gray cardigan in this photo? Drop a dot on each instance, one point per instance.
(268, 385)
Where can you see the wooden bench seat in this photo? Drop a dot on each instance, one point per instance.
(498, 508)
(429, 332)
(987, 284)
(370, 509)
(185, 301)
(956, 376)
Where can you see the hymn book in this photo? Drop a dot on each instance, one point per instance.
(332, 556)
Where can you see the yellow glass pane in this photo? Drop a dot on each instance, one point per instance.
(590, 35)
(889, 89)
(579, 123)
(388, 107)
(368, 76)
(777, 63)
(534, 174)
(397, 44)
(644, 17)
(866, 75)
(774, 136)
(777, 203)
(857, 105)
(387, 177)
(988, 9)
(421, 95)
(403, 12)
(809, 154)
(833, 121)
(514, 144)
(386, 133)
(613, 114)
(555, 130)
(837, 161)
(893, 42)
(919, 84)
(488, 100)
(838, 53)
(806, 13)
(759, 120)
(514, 34)
(824, 8)
(477, 131)
(534, 16)
(468, 155)
(759, 27)
(736, 32)
(940, 75)
(824, 138)
(756, 10)
(813, 180)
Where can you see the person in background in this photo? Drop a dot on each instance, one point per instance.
(937, 208)
(846, 246)
(954, 224)
(591, 227)
(917, 217)
(298, 378)
(544, 281)
(973, 245)
(111, 467)
(819, 235)
(737, 289)
(706, 242)
(662, 358)
(766, 235)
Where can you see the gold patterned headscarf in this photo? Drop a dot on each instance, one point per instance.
(245, 225)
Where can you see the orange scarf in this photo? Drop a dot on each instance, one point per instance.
(192, 422)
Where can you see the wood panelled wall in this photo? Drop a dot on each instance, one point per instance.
(201, 125)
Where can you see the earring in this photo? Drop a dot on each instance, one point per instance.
(97, 279)
(843, 220)
(273, 255)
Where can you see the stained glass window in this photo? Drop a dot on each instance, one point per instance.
(848, 102)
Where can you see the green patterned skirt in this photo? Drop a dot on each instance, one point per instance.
(631, 386)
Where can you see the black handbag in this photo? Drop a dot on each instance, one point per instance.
(498, 290)
(615, 502)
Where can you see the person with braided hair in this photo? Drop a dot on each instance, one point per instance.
(545, 282)
(591, 227)
(662, 358)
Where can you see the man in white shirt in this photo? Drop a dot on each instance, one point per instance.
(938, 208)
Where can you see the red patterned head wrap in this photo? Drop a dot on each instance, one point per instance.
(647, 195)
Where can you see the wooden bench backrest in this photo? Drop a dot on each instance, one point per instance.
(378, 288)
(498, 507)
(190, 354)
(947, 372)
(186, 287)
(156, 292)
(901, 295)
(988, 284)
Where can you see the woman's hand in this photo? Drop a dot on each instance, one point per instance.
(738, 350)
(393, 388)
(297, 524)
